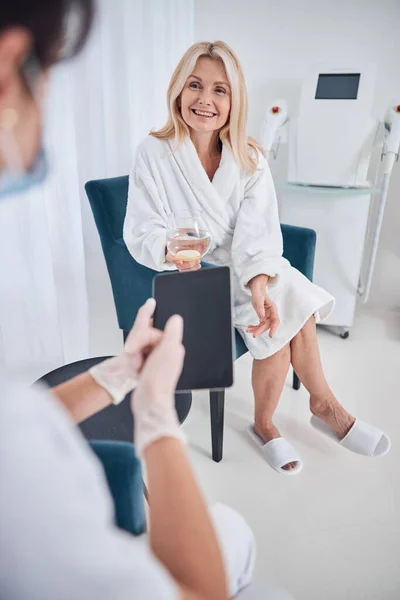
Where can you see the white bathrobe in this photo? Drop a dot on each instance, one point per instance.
(242, 214)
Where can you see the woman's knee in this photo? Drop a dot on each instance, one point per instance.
(281, 356)
(308, 328)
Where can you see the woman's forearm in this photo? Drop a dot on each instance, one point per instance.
(181, 533)
(82, 397)
(259, 280)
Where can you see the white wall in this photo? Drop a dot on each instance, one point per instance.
(277, 42)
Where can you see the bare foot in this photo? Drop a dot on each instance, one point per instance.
(268, 433)
(333, 414)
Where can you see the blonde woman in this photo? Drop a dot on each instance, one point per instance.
(203, 159)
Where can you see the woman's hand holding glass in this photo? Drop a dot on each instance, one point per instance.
(183, 265)
(188, 240)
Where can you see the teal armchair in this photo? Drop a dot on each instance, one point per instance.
(132, 283)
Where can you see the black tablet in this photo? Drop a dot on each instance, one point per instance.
(203, 299)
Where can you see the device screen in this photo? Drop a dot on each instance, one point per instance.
(337, 86)
(203, 299)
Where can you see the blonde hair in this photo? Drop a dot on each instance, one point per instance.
(234, 132)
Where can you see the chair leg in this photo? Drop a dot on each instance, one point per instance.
(217, 404)
(145, 492)
(296, 381)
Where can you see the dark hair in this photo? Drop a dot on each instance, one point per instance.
(47, 21)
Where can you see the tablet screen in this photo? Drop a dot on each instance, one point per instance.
(203, 299)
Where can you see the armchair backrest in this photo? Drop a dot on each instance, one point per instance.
(131, 282)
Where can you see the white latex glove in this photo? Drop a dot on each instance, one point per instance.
(153, 402)
(119, 375)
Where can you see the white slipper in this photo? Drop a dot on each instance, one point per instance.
(278, 453)
(362, 438)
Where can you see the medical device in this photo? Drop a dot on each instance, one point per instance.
(390, 154)
(332, 140)
(272, 130)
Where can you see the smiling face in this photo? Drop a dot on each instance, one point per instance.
(205, 101)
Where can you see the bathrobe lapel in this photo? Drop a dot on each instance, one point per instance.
(211, 196)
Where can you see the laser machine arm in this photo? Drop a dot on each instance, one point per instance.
(276, 117)
(390, 154)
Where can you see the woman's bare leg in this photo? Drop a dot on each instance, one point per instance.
(268, 379)
(306, 362)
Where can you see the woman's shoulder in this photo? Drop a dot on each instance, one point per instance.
(152, 146)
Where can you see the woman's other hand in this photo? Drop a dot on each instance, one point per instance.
(183, 265)
(266, 310)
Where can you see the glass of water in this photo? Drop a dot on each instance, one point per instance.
(188, 236)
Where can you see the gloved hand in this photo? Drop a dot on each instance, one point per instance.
(119, 375)
(153, 402)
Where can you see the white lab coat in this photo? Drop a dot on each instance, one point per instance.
(58, 540)
(242, 215)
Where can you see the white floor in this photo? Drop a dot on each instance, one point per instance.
(333, 532)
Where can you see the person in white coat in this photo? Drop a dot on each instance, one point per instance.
(58, 536)
(203, 160)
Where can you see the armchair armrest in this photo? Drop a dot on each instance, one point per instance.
(124, 476)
